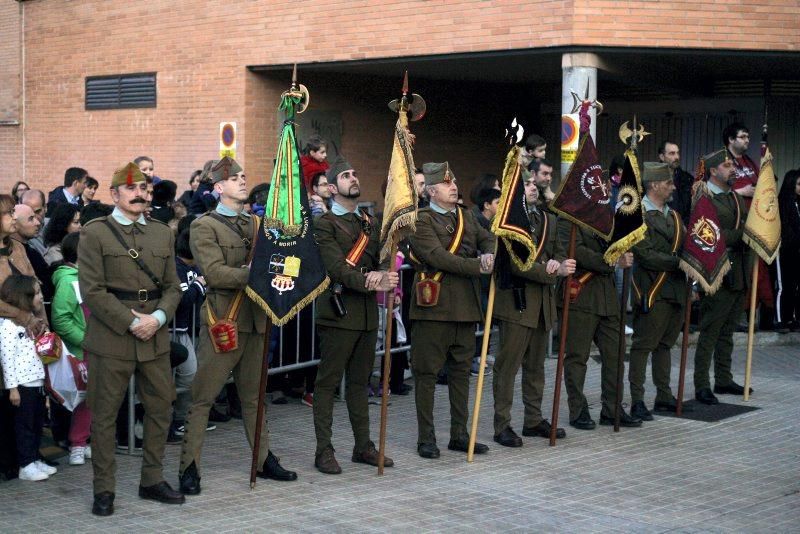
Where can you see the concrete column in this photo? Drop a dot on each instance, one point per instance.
(576, 70)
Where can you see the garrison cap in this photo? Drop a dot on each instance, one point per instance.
(224, 169)
(338, 166)
(127, 175)
(655, 171)
(205, 176)
(715, 158)
(436, 173)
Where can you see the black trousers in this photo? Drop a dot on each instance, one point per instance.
(8, 441)
(788, 287)
(28, 423)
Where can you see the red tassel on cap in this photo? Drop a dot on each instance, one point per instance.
(129, 179)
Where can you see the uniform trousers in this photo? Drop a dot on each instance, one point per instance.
(350, 353)
(520, 346)
(435, 343)
(654, 332)
(108, 382)
(583, 328)
(719, 315)
(212, 373)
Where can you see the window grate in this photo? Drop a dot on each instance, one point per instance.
(121, 91)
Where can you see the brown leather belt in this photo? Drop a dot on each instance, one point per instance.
(143, 295)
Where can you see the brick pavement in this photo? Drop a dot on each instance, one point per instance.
(740, 474)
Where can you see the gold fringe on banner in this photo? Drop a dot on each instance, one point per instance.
(621, 246)
(695, 275)
(280, 321)
(511, 175)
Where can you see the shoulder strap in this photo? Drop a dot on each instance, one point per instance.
(134, 255)
(217, 217)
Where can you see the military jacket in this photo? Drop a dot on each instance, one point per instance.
(654, 256)
(105, 264)
(459, 296)
(732, 213)
(336, 235)
(598, 295)
(539, 286)
(222, 255)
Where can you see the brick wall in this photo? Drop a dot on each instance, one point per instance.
(200, 49)
(10, 92)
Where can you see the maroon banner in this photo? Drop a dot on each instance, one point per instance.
(704, 256)
(584, 197)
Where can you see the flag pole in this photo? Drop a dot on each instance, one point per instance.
(487, 325)
(562, 346)
(262, 390)
(687, 317)
(623, 308)
(387, 363)
(751, 326)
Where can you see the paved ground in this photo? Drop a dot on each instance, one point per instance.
(741, 474)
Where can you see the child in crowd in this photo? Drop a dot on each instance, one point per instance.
(69, 322)
(24, 375)
(314, 159)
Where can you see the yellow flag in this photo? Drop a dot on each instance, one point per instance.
(762, 231)
(400, 203)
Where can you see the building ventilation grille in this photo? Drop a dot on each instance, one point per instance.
(121, 91)
(756, 88)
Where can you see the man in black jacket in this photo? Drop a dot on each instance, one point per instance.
(71, 191)
(670, 153)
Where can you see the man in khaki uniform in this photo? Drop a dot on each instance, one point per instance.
(221, 243)
(593, 316)
(526, 313)
(659, 292)
(720, 312)
(451, 251)
(130, 304)
(348, 243)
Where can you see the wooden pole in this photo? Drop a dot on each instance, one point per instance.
(687, 317)
(487, 326)
(260, 407)
(751, 326)
(387, 363)
(563, 341)
(623, 308)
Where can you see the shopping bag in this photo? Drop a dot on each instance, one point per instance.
(66, 380)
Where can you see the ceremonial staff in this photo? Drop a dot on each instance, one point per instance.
(629, 229)
(580, 199)
(400, 216)
(762, 232)
(687, 317)
(286, 273)
(514, 244)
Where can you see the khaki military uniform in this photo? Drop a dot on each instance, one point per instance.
(446, 332)
(524, 333)
(594, 316)
(222, 256)
(658, 299)
(114, 354)
(720, 312)
(347, 344)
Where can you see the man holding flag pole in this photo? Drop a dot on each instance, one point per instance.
(529, 261)
(399, 220)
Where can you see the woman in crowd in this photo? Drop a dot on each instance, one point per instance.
(66, 218)
(788, 297)
(89, 191)
(18, 189)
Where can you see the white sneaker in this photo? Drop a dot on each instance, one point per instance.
(44, 468)
(77, 456)
(32, 472)
(87, 452)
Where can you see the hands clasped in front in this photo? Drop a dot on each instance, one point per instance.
(381, 280)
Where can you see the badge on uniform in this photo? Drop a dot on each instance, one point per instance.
(428, 292)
